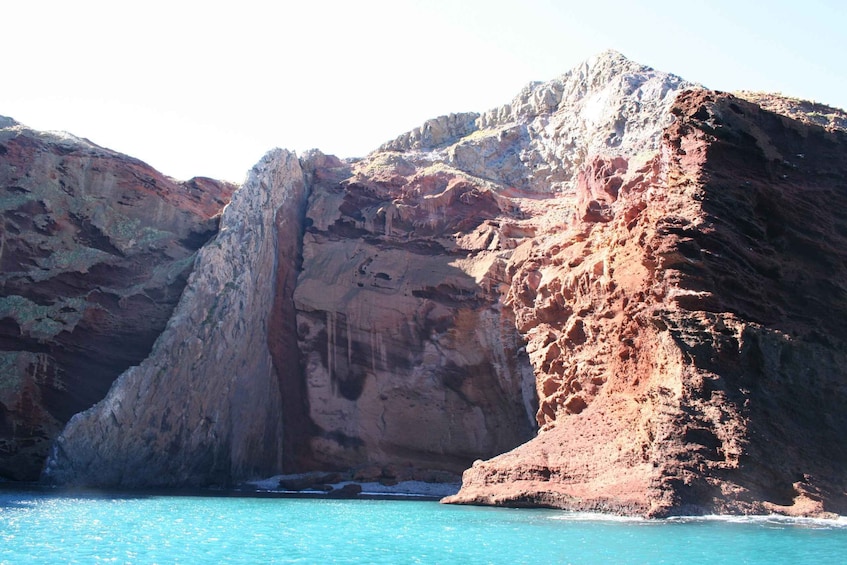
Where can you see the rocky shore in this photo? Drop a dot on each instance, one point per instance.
(620, 292)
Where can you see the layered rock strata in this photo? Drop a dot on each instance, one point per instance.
(693, 359)
(205, 407)
(408, 355)
(95, 249)
(411, 351)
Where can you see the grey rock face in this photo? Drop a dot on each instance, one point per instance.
(435, 132)
(540, 140)
(95, 251)
(205, 407)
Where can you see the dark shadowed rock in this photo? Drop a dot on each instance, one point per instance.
(350, 490)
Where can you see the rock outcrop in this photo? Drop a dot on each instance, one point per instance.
(205, 407)
(95, 249)
(693, 361)
(408, 355)
(622, 289)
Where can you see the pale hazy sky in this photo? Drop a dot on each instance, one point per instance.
(206, 88)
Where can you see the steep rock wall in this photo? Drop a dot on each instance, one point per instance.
(95, 249)
(652, 279)
(695, 361)
(410, 359)
(205, 407)
(410, 345)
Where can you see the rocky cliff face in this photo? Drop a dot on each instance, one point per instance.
(409, 357)
(411, 349)
(695, 360)
(622, 285)
(95, 249)
(205, 406)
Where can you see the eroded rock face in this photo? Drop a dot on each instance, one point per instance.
(646, 272)
(409, 356)
(411, 345)
(205, 407)
(687, 333)
(95, 249)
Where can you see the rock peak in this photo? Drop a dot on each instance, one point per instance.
(7, 122)
(609, 57)
(607, 103)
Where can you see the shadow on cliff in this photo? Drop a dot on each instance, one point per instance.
(405, 359)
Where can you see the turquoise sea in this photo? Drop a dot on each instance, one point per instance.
(45, 528)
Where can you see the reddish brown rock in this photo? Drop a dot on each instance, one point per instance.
(95, 248)
(411, 352)
(409, 357)
(695, 363)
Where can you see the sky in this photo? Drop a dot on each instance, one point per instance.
(206, 88)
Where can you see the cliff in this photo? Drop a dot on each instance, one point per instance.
(205, 406)
(411, 352)
(95, 249)
(707, 375)
(621, 290)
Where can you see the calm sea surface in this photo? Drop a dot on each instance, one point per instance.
(40, 528)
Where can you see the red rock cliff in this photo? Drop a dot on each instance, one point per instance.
(688, 331)
(648, 272)
(409, 357)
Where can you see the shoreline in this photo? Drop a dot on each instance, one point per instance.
(7, 488)
(316, 483)
(251, 489)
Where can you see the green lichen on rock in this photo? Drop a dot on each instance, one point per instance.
(13, 201)
(10, 378)
(128, 233)
(78, 259)
(39, 321)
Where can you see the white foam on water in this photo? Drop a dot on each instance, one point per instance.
(762, 519)
(776, 519)
(596, 517)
